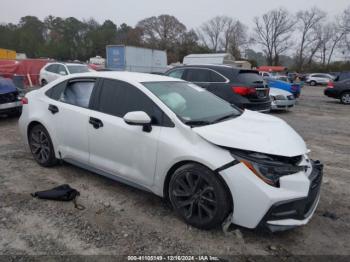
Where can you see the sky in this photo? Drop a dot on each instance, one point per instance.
(191, 13)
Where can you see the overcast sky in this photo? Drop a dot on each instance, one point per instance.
(191, 13)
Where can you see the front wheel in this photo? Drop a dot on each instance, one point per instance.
(345, 98)
(199, 196)
(313, 83)
(41, 146)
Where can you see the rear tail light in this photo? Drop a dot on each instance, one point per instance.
(330, 84)
(24, 101)
(243, 90)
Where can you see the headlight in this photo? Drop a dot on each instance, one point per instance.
(267, 167)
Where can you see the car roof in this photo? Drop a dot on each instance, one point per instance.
(128, 76)
(210, 66)
(67, 64)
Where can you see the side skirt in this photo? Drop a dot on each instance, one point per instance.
(108, 175)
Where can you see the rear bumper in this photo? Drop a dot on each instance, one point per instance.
(330, 92)
(10, 107)
(258, 106)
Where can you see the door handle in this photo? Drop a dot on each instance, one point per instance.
(53, 109)
(95, 122)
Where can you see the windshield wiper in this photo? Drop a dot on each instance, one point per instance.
(224, 118)
(193, 123)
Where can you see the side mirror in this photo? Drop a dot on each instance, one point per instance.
(62, 73)
(139, 118)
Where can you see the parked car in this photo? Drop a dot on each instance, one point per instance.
(293, 88)
(10, 99)
(179, 141)
(342, 76)
(281, 99)
(241, 87)
(319, 79)
(339, 90)
(53, 71)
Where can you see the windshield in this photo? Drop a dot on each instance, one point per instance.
(76, 69)
(192, 104)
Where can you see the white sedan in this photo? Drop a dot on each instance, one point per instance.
(281, 99)
(211, 160)
(55, 70)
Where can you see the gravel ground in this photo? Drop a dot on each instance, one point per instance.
(120, 220)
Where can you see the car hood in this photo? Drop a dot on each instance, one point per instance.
(256, 132)
(276, 92)
(7, 86)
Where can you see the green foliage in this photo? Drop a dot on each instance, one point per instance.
(72, 39)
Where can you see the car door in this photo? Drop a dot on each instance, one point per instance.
(69, 112)
(117, 148)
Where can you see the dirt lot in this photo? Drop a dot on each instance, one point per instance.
(121, 220)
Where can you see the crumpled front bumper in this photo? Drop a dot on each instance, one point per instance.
(257, 204)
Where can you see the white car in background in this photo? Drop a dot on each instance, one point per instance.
(211, 160)
(281, 99)
(319, 79)
(53, 71)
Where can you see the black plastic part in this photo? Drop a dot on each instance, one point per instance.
(228, 165)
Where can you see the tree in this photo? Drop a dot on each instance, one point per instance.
(162, 31)
(273, 31)
(223, 33)
(309, 22)
(211, 31)
(30, 36)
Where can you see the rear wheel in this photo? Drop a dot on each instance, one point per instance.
(198, 196)
(345, 98)
(313, 83)
(41, 146)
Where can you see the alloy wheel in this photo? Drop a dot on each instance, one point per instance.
(194, 197)
(345, 98)
(40, 146)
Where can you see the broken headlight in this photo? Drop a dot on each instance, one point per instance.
(269, 168)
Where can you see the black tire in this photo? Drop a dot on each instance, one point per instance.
(313, 83)
(345, 98)
(41, 146)
(199, 197)
(43, 82)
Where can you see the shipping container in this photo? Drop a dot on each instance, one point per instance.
(7, 54)
(136, 59)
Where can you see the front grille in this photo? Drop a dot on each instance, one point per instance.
(8, 97)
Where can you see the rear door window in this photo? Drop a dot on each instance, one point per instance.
(78, 93)
(216, 78)
(198, 75)
(61, 69)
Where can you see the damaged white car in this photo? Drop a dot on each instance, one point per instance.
(209, 158)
